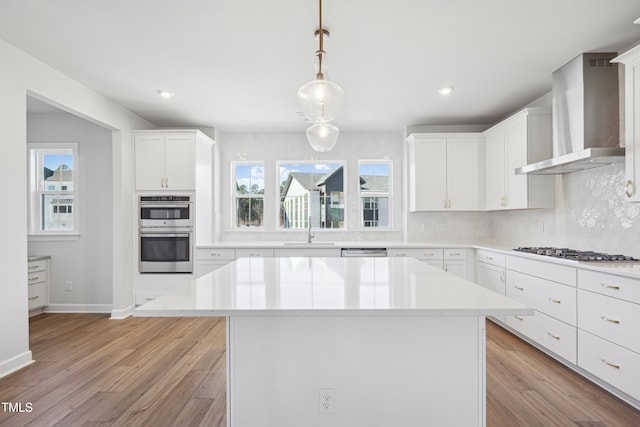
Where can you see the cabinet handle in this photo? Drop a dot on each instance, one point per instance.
(517, 287)
(630, 188)
(401, 254)
(520, 318)
(31, 279)
(490, 258)
(454, 254)
(502, 276)
(613, 365)
(34, 298)
(446, 268)
(254, 254)
(149, 299)
(557, 301)
(214, 254)
(555, 337)
(605, 318)
(31, 267)
(608, 286)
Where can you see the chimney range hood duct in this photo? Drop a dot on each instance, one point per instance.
(585, 114)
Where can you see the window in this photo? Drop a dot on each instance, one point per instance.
(249, 193)
(53, 188)
(375, 184)
(311, 192)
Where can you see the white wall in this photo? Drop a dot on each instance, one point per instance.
(86, 262)
(273, 147)
(20, 74)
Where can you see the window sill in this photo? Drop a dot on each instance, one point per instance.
(53, 237)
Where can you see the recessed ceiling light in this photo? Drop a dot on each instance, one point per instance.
(445, 90)
(166, 94)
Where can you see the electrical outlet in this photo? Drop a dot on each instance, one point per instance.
(326, 401)
(68, 286)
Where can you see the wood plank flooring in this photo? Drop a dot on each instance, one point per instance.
(93, 371)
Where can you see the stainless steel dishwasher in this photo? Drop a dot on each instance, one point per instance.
(363, 252)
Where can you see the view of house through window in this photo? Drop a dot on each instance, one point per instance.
(52, 188)
(249, 194)
(374, 193)
(311, 192)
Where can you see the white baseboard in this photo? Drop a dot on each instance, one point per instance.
(78, 308)
(122, 313)
(17, 362)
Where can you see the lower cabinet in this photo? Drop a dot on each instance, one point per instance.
(490, 273)
(208, 259)
(549, 332)
(451, 260)
(38, 285)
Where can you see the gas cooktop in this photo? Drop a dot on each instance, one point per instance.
(576, 255)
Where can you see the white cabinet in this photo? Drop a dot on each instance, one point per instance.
(443, 172)
(431, 256)
(38, 284)
(608, 317)
(631, 135)
(254, 253)
(170, 160)
(208, 259)
(550, 289)
(519, 140)
(490, 273)
(455, 262)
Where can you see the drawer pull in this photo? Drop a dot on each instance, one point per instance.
(519, 318)
(557, 301)
(455, 253)
(401, 254)
(613, 365)
(32, 267)
(149, 299)
(608, 286)
(254, 254)
(555, 337)
(490, 258)
(617, 322)
(518, 287)
(31, 279)
(34, 298)
(429, 254)
(502, 276)
(215, 254)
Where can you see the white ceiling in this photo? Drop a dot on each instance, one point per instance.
(236, 64)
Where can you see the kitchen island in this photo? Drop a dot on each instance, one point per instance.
(346, 341)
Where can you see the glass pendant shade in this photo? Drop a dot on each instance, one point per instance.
(321, 100)
(322, 136)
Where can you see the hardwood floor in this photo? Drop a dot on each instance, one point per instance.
(93, 371)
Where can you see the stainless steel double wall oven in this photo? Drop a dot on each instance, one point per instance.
(165, 228)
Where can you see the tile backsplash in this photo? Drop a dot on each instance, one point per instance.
(591, 213)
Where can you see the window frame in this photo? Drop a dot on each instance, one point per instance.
(235, 196)
(388, 194)
(35, 153)
(345, 180)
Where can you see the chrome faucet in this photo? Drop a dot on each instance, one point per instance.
(309, 234)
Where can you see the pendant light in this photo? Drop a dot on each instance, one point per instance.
(321, 100)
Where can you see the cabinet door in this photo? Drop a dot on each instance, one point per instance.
(494, 168)
(516, 191)
(491, 277)
(632, 130)
(428, 174)
(149, 162)
(456, 267)
(462, 174)
(180, 152)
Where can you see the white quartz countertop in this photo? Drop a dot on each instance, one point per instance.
(332, 244)
(330, 286)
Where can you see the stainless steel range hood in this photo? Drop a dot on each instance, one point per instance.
(585, 115)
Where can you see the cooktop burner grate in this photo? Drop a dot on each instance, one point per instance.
(576, 255)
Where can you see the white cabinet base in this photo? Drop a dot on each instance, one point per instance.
(381, 371)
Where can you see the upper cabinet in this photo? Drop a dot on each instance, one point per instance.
(443, 172)
(169, 160)
(521, 139)
(631, 136)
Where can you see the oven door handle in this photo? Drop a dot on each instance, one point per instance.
(156, 234)
(165, 206)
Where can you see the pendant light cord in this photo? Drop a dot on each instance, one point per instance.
(320, 52)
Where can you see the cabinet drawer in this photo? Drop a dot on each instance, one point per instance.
(216, 254)
(254, 253)
(546, 270)
(427, 253)
(609, 362)
(609, 318)
(455, 253)
(37, 295)
(550, 333)
(489, 257)
(37, 266)
(624, 288)
(553, 299)
(37, 277)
